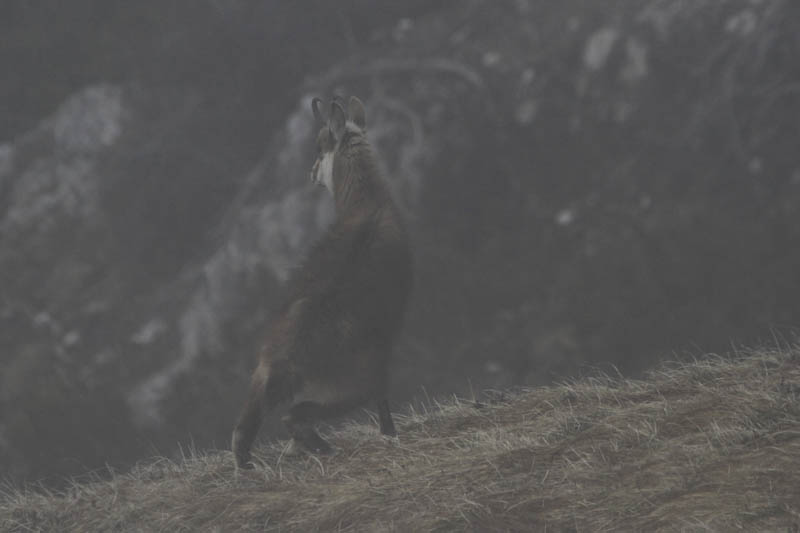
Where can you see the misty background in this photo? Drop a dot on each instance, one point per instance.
(588, 185)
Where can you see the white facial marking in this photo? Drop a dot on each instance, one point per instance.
(325, 171)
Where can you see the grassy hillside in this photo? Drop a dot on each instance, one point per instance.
(710, 445)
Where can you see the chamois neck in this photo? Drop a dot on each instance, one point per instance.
(359, 186)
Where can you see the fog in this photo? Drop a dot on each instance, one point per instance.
(589, 186)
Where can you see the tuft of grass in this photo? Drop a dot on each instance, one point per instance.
(711, 445)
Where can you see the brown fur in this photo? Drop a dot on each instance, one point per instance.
(329, 349)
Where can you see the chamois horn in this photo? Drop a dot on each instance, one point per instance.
(316, 107)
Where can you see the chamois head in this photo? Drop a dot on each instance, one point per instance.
(338, 132)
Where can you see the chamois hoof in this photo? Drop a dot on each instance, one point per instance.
(323, 449)
(311, 442)
(248, 465)
(244, 461)
(389, 439)
(241, 451)
(319, 447)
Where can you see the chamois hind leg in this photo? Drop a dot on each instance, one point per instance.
(270, 385)
(302, 417)
(385, 418)
(300, 421)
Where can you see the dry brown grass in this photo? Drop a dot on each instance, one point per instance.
(711, 445)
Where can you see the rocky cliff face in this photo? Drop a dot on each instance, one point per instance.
(585, 184)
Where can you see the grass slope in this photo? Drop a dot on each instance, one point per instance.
(711, 445)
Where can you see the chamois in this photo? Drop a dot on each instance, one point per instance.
(329, 349)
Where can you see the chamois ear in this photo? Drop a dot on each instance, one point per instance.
(355, 110)
(337, 121)
(316, 107)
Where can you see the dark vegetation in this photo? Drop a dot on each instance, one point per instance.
(588, 184)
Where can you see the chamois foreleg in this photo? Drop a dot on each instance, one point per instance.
(269, 386)
(385, 418)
